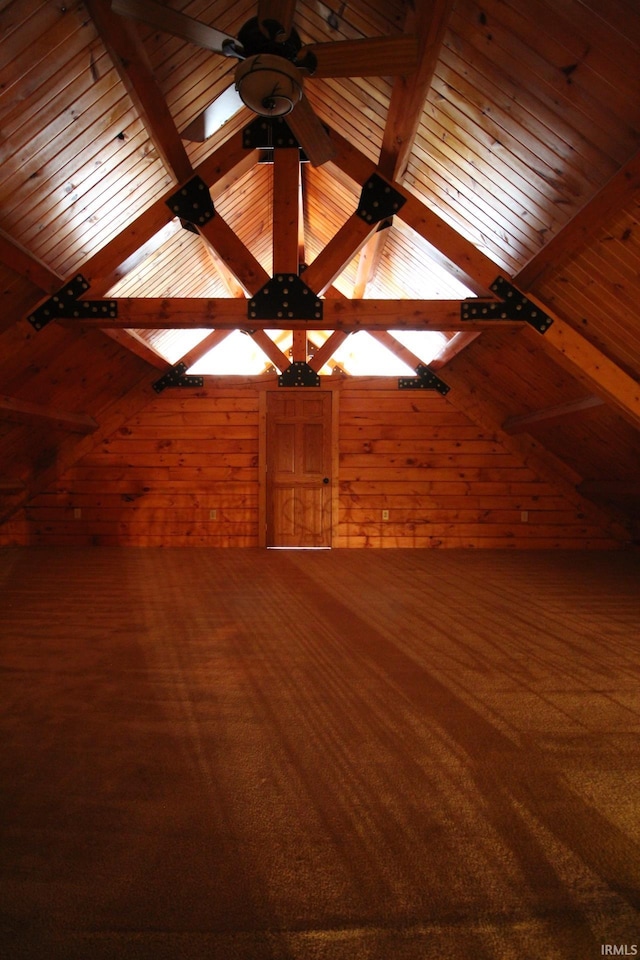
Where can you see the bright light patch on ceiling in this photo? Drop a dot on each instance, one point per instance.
(362, 356)
(426, 344)
(237, 355)
(411, 269)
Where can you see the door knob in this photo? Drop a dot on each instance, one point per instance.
(325, 479)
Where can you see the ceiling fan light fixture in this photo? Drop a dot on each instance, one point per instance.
(269, 85)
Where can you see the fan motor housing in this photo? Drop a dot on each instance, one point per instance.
(256, 40)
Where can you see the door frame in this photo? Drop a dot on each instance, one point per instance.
(262, 457)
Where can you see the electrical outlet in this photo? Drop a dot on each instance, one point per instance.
(524, 516)
(385, 514)
(77, 513)
(213, 514)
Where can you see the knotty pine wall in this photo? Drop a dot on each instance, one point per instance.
(445, 481)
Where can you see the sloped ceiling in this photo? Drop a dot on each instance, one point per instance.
(513, 145)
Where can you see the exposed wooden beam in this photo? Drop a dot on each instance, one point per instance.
(560, 411)
(301, 205)
(368, 262)
(129, 56)
(591, 367)
(233, 288)
(340, 250)
(404, 315)
(102, 285)
(458, 342)
(130, 60)
(271, 350)
(476, 270)
(286, 219)
(99, 269)
(490, 415)
(102, 269)
(228, 163)
(324, 353)
(281, 11)
(72, 449)
(566, 345)
(15, 256)
(231, 162)
(133, 342)
(156, 313)
(457, 254)
(398, 349)
(299, 347)
(238, 258)
(430, 19)
(620, 189)
(246, 163)
(23, 411)
(208, 343)
(18, 259)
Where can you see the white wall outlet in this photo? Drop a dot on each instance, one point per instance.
(213, 514)
(385, 514)
(524, 516)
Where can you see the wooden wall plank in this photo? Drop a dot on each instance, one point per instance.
(444, 480)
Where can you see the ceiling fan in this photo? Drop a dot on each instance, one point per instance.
(273, 64)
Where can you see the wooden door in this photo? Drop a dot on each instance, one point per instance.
(298, 487)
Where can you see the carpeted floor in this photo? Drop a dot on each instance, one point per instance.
(326, 755)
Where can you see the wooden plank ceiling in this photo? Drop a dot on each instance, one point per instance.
(512, 145)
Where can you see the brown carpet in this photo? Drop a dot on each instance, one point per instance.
(334, 755)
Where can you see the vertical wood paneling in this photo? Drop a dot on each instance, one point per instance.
(597, 284)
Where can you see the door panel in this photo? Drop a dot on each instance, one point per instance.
(298, 470)
(283, 447)
(312, 449)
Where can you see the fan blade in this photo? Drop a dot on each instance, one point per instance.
(310, 134)
(179, 24)
(281, 11)
(214, 116)
(369, 57)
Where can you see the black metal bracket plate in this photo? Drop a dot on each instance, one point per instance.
(176, 377)
(299, 374)
(513, 305)
(426, 380)
(65, 305)
(521, 307)
(192, 202)
(378, 200)
(267, 36)
(267, 133)
(285, 297)
(484, 310)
